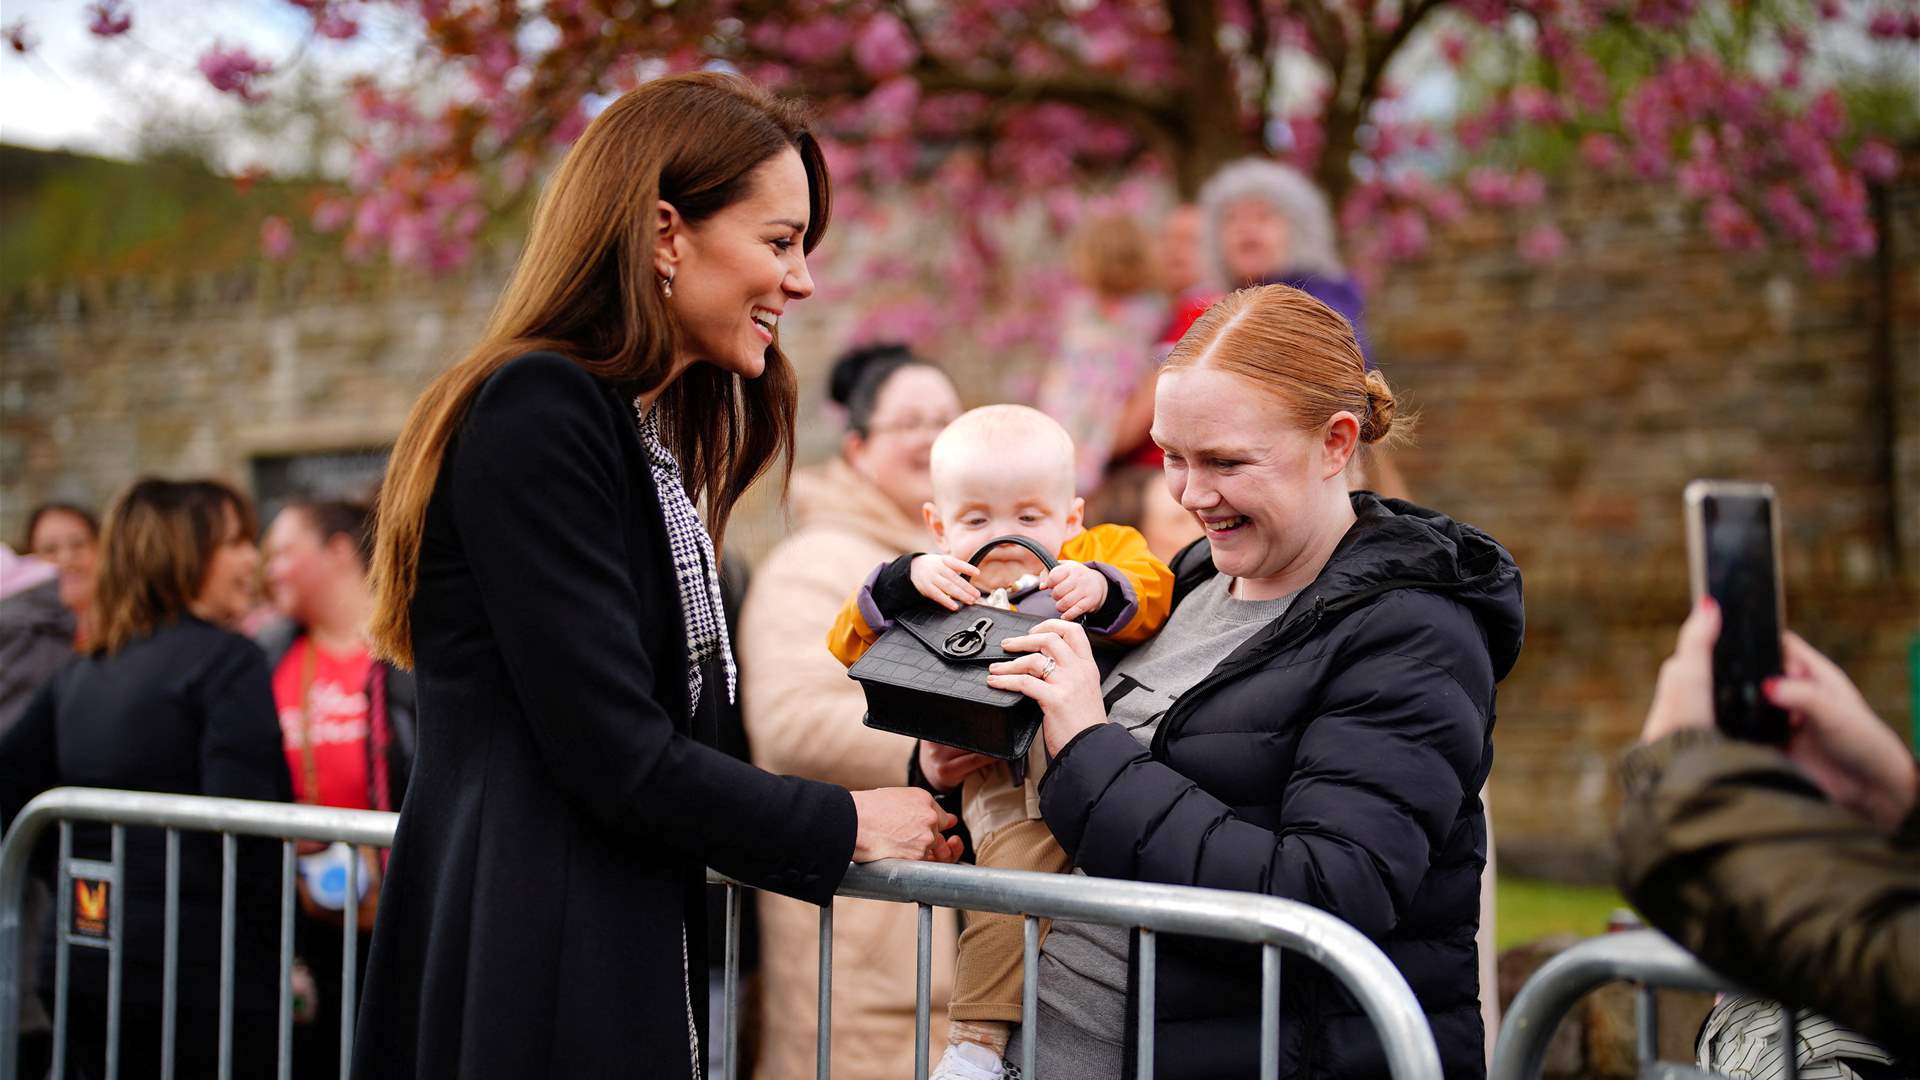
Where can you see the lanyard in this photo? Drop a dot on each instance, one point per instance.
(310, 794)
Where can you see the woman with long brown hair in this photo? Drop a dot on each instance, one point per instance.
(540, 565)
(168, 700)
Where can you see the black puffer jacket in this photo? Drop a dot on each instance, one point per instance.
(1336, 758)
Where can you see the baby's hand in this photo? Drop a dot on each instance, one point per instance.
(1078, 589)
(943, 579)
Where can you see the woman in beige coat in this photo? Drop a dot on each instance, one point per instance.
(803, 716)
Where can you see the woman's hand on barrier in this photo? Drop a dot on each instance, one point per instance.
(946, 766)
(902, 823)
(1835, 736)
(944, 580)
(1059, 672)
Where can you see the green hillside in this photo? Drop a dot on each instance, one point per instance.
(67, 216)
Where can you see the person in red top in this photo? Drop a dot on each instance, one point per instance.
(346, 721)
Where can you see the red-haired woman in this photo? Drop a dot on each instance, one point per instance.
(1314, 722)
(540, 564)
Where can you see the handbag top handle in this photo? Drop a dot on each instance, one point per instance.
(1045, 556)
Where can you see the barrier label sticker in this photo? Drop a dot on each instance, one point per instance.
(91, 908)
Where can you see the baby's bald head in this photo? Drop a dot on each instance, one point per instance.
(1002, 444)
(999, 471)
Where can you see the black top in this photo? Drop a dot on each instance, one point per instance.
(543, 906)
(188, 710)
(1336, 758)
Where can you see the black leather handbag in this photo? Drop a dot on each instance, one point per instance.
(927, 675)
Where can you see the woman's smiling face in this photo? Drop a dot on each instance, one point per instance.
(1240, 464)
(737, 271)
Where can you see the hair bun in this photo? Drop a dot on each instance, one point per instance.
(1379, 418)
(853, 366)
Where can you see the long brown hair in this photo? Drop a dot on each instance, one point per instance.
(1297, 349)
(586, 287)
(156, 549)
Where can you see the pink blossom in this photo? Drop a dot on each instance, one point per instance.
(1886, 24)
(368, 168)
(408, 240)
(109, 19)
(1453, 47)
(1791, 215)
(330, 23)
(1446, 206)
(1665, 14)
(570, 126)
(1731, 226)
(1495, 188)
(1533, 104)
(1107, 46)
(889, 108)
(276, 238)
(1601, 152)
(1406, 234)
(1587, 83)
(1699, 179)
(1877, 161)
(1309, 141)
(331, 214)
(1651, 162)
(817, 40)
(1527, 188)
(494, 60)
(884, 47)
(1543, 244)
(233, 71)
(1485, 12)
(1828, 116)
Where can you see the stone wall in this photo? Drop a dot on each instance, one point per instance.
(1563, 410)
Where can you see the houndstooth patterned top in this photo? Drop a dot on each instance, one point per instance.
(694, 565)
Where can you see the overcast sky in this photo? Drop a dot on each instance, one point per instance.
(84, 93)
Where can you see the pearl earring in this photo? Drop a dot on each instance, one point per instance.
(666, 286)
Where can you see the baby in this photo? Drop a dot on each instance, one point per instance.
(998, 471)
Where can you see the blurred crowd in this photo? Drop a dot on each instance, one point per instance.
(180, 646)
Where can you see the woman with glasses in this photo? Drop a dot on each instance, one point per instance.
(802, 713)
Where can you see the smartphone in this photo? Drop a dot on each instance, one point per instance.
(1733, 555)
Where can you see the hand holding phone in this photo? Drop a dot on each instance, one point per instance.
(1733, 556)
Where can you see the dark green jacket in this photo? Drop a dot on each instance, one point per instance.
(1733, 852)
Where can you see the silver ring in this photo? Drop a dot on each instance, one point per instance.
(1047, 672)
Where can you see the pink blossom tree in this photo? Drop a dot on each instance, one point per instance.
(978, 107)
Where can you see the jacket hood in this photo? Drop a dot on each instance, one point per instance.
(834, 496)
(1395, 544)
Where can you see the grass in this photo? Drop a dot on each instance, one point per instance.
(1528, 909)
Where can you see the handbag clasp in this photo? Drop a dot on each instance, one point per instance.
(968, 642)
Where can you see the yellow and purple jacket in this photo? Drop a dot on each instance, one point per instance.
(1139, 593)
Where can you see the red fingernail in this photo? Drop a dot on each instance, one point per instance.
(1770, 686)
(1707, 603)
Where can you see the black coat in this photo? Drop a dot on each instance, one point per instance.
(1335, 758)
(544, 902)
(189, 711)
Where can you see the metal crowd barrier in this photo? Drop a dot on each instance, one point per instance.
(1647, 957)
(1150, 910)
